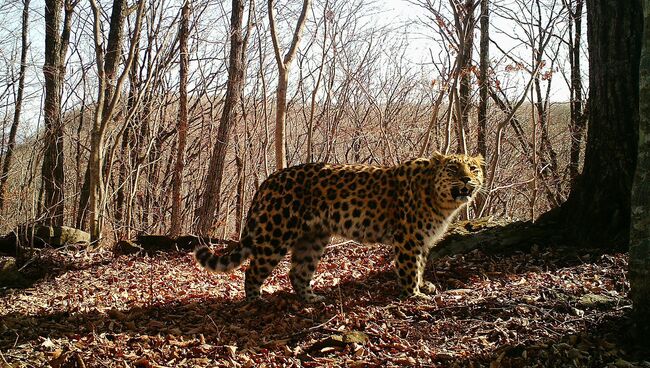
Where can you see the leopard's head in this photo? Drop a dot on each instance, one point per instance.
(459, 179)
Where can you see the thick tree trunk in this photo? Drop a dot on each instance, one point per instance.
(11, 144)
(597, 212)
(114, 46)
(640, 231)
(177, 180)
(211, 200)
(52, 173)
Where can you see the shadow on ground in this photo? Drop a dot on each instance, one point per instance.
(519, 309)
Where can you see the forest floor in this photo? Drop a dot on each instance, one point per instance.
(546, 308)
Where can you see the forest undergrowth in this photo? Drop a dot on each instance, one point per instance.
(543, 308)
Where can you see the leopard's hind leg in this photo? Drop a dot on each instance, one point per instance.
(304, 260)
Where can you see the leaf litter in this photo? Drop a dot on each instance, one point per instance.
(545, 308)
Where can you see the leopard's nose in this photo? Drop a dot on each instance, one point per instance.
(465, 179)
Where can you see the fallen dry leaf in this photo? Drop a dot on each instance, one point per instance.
(500, 311)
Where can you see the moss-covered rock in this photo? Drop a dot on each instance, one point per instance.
(63, 235)
(9, 274)
(596, 301)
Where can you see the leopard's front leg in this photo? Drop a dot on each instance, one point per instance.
(409, 265)
(425, 286)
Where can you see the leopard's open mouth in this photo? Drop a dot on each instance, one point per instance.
(462, 194)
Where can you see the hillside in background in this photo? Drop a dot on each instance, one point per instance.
(365, 82)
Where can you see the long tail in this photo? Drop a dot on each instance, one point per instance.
(225, 263)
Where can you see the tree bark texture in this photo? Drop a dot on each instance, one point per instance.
(597, 212)
(639, 262)
(240, 162)
(484, 63)
(209, 207)
(177, 180)
(57, 35)
(107, 65)
(11, 144)
(130, 152)
(109, 93)
(284, 67)
(280, 120)
(493, 236)
(578, 119)
(110, 62)
(465, 28)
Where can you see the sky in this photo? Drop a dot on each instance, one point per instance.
(391, 12)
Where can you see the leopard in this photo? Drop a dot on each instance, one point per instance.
(298, 210)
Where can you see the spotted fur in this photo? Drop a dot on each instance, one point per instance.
(299, 208)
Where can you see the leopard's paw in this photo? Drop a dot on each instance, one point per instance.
(415, 295)
(428, 287)
(421, 296)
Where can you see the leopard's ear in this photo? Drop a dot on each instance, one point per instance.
(479, 159)
(438, 157)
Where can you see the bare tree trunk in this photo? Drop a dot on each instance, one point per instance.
(129, 155)
(114, 50)
(465, 28)
(551, 167)
(106, 66)
(212, 182)
(284, 66)
(484, 88)
(280, 120)
(109, 93)
(240, 161)
(614, 35)
(78, 146)
(111, 61)
(640, 231)
(11, 144)
(578, 118)
(177, 180)
(484, 64)
(56, 46)
(310, 125)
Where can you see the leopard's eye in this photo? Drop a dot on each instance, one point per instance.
(473, 168)
(452, 167)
